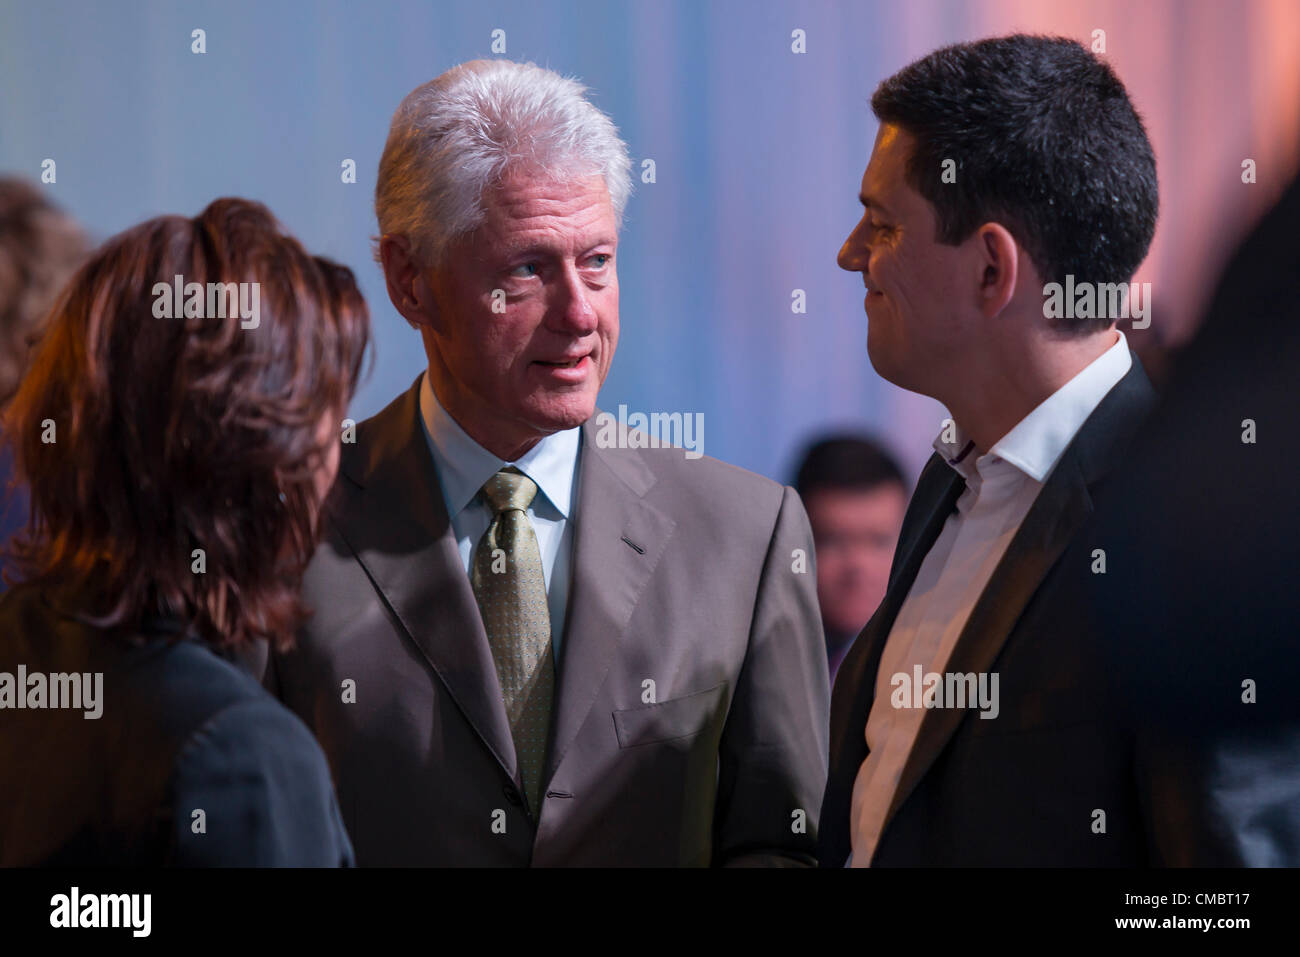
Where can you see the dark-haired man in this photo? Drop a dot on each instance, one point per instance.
(966, 728)
(854, 494)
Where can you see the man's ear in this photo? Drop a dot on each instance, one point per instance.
(999, 267)
(408, 284)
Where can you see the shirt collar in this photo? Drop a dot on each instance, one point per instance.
(960, 452)
(1036, 442)
(464, 465)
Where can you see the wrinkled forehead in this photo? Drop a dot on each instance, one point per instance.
(570, 203)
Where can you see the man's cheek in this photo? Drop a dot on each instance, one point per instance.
(610, 342)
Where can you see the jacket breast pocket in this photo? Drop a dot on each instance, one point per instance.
(674, 719)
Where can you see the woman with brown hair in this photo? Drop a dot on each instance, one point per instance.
(177, 460)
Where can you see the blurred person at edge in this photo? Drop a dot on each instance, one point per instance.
(1201, 624)
(854, 493)
(173, 515)
(40, 247)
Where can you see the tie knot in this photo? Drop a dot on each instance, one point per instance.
(509, 489)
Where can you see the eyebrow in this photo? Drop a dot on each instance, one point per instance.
(870, 202)
(540, 250)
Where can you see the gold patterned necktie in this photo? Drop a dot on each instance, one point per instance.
(510, 585)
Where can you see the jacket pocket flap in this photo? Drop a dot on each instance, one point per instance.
(666, 720)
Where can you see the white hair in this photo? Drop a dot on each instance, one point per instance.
(457, 135)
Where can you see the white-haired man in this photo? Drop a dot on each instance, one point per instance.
(532, 645)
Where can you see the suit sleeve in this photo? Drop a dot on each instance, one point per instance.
(263, 787)
(772, 761)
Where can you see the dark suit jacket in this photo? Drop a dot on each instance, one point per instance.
(1020, 789)
(181, 729)
(686, 573)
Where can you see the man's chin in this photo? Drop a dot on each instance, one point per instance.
(562, 414)
(888, 366)
(880, 360)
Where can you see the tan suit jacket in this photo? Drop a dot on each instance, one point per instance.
(691, 710)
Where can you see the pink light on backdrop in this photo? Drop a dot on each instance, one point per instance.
(1216, 83)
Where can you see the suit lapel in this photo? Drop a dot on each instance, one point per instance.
(396, 523)
(1057, 513)
(618, 540)
(940, 502)
(936, 494)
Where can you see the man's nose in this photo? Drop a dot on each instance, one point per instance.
(573, 305)
(853, 254)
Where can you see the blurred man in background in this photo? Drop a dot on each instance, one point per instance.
(40, 247)
(854, 494)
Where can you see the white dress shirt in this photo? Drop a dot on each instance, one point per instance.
(464, 466)
(1001, 485)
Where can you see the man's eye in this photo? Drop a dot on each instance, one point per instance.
(524, 271)
(601, 260)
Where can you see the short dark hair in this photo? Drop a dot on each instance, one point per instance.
(176, 434)
(1046, 142)
(846, 462)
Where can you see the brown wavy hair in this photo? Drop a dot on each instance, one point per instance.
(143, 439)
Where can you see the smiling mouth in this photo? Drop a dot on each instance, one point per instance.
(568, 364)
